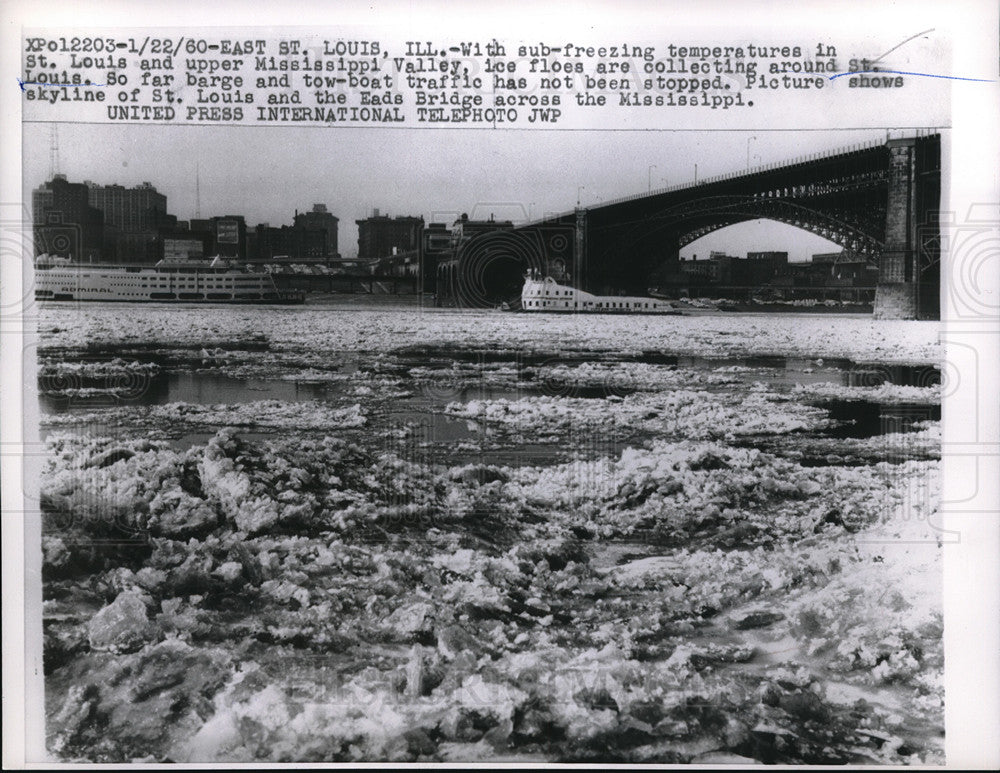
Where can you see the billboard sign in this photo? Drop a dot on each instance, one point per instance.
(227, 232)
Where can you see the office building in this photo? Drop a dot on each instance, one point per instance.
(381, 236)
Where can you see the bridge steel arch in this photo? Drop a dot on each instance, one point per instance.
(881, 201)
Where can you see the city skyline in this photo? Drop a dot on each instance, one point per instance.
(434, 174)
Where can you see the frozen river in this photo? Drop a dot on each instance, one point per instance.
(358, 533)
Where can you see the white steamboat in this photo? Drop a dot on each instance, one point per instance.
(546, 295)
(214, 280)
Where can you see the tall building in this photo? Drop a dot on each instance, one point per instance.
(381, 236)
(64, 222)
(134, 218)
(319, 219)
(141, 208)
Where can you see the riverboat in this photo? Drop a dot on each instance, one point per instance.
(545, 294)
(188, 280)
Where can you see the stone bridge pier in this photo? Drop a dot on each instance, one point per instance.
(908, 282)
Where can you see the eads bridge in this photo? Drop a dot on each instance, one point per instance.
(880, 201)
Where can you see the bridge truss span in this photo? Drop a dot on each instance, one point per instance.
(854, 229)
(879, 201)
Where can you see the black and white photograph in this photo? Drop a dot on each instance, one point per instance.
(446, 391)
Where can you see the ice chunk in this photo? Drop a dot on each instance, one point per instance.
(121, 626)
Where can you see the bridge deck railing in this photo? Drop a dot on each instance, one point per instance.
(843, 151)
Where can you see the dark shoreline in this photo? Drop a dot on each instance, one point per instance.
(414, 300)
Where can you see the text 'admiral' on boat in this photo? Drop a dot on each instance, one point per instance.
(186, 280)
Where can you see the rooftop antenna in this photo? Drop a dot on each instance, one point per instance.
(53, 150)
(197, 191)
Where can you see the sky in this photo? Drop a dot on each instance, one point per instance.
(266, 173)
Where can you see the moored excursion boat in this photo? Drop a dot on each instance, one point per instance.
(546, 295)
(190, 280)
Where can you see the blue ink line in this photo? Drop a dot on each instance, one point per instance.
(921, 74)
(22, 84)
